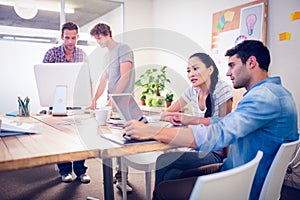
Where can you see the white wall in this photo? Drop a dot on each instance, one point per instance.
(285, 54)
(17, 75)
(114, 19)
(189, 19)
(17, 60)
(138, 14)
(178, 29)
(193, 19)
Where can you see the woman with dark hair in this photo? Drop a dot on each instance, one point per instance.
(209, 97)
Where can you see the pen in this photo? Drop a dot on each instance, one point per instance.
(26, 102)
(141, 118)
(22, 106)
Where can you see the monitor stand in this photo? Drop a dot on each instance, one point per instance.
(60, 101)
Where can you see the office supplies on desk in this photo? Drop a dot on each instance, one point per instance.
(116, 122)
(13, 114)
(11, 127)
(24, 107)
(117, 126)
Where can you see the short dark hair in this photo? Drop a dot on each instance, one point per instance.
(101, 28)
(69, 26)
(252, 48)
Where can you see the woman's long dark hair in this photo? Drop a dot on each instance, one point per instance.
(208, 61)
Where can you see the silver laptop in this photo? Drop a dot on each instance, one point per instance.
(128, 110)
(128, 107)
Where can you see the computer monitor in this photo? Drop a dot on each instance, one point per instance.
(62, 85)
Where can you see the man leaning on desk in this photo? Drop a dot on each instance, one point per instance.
(68, 52)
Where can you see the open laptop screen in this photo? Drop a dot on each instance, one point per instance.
(127, 106)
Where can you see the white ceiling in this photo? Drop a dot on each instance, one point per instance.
(85, 12)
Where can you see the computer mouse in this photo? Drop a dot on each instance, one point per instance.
(43, 112)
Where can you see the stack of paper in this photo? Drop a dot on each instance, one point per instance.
(15, 127)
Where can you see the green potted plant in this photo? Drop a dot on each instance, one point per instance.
(169, 99)
(153, 81)
(143, 99)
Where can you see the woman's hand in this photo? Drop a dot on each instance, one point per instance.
(177, 118)
(165, 117)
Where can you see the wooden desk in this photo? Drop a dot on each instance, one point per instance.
(59, 142)
(19, 152)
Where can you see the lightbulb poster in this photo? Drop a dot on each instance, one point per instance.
(251, 20)
(232, 26)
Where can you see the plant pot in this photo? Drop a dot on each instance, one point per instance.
(143, 102)
(168, 103)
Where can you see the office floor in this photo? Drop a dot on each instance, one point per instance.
(41, 183)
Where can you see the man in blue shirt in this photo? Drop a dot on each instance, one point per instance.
(265, 118)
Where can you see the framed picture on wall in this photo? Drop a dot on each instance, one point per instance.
(251, 22)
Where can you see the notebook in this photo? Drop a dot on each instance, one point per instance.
(11, 127)
(117, 137)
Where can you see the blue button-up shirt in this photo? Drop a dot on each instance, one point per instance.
(265, 118)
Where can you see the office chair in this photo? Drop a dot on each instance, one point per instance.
(234, 184)
(143, 162)
(272, 186)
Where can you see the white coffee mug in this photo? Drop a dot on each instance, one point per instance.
(102, 115)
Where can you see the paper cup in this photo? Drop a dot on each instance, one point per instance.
(102, 115)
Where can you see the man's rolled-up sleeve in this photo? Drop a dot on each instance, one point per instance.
(200, 134)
